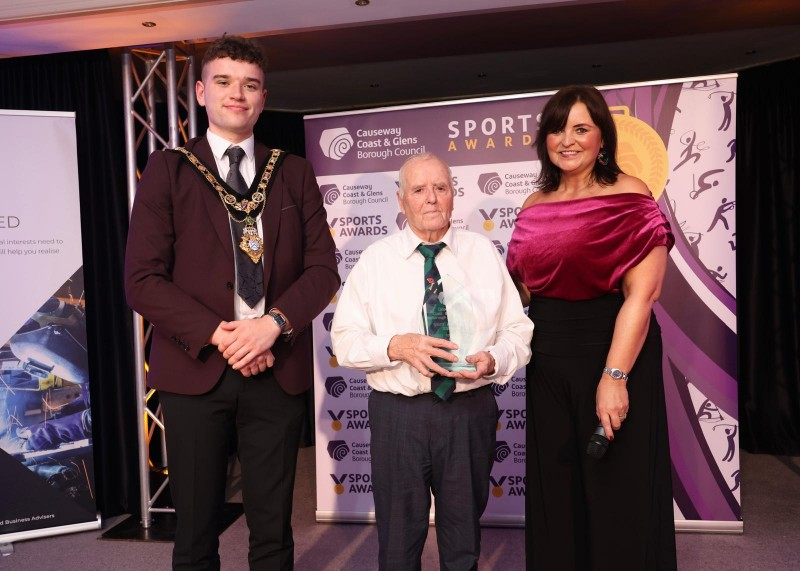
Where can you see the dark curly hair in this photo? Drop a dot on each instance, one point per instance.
(238, 49)
(554, 118)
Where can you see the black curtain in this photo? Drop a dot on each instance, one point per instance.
(82, 82)
(768, 247)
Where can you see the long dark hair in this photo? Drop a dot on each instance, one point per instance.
(554, 118)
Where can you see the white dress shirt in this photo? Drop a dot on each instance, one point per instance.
(383, 297)
(247, 166)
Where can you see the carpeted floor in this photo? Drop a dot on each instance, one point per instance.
(771, 539)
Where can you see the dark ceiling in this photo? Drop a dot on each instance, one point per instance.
(537, 28)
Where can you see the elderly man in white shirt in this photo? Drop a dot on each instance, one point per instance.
(432, 422)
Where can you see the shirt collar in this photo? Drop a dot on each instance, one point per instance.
(219, 145)
(410, 241)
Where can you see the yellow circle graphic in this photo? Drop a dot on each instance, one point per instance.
(336, 425)
(488, 225)
(338, 489)
(497, 491)
(640, 151)
(333, 362)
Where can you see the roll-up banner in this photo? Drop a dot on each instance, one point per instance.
(46, 464)
(679, 137)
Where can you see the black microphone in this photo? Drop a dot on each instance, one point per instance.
(598, 443)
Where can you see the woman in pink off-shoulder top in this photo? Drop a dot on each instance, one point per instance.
(589, 253)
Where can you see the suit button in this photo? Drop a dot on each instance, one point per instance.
(229, 285)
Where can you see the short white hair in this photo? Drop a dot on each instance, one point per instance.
(426, 156)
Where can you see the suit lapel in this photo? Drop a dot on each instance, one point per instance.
(270, 219)
(216, 210)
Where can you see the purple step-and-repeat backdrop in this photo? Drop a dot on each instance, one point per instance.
(680, 138)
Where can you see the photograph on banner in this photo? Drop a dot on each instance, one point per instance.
(45, 414)
(679, 138)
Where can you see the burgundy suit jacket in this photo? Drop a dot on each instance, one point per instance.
(180, 272)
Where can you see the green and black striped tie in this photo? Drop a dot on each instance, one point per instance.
(436, 314)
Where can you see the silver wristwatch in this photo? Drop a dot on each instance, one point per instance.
(616, 374)
(279, 319)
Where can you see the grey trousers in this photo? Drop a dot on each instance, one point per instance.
(422, 445)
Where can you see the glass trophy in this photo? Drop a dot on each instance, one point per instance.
(460, 320)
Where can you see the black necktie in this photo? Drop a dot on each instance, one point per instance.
(249, 275)
(436, 314)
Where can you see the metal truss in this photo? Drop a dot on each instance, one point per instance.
(152, 75)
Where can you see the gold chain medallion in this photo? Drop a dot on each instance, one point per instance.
(251, 243)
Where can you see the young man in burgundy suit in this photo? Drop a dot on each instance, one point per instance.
(230, 257)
